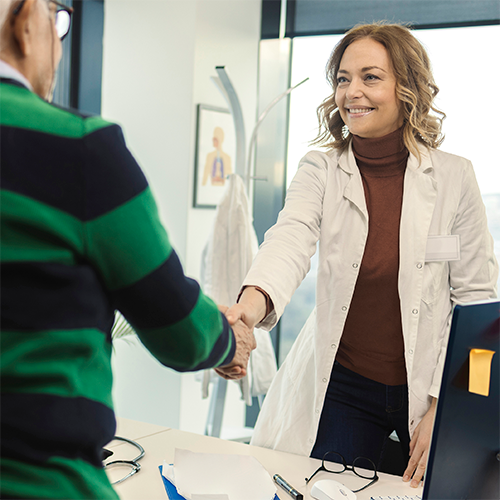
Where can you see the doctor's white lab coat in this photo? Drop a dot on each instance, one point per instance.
(326, 202)
(226, 259)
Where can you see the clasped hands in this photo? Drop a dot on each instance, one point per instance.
(242, 317)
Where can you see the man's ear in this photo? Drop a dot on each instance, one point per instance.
(22, 26)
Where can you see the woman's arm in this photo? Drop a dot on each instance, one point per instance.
(284, 257)
(475, 275)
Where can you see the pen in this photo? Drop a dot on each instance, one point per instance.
(288, 487)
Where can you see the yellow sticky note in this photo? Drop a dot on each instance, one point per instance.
(480, 371)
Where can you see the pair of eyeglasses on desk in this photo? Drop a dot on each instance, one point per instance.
(131, 466)
(335, 463)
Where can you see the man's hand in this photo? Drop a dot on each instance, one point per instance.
(419, 447)
(245, 344)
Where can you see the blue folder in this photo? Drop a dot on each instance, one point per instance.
(172, 493)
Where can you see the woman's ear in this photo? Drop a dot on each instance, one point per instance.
(23, 24)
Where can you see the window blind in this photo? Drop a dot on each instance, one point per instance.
(321, 17)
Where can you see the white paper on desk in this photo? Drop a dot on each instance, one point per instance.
(168, 472)
(240, 477)
(209, 497)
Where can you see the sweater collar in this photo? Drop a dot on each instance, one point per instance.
(381, 156)
(8, 72)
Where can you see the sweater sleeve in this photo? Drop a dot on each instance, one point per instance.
(129, 246)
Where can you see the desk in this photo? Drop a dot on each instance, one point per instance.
(160, 444)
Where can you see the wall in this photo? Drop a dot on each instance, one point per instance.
(158, 59)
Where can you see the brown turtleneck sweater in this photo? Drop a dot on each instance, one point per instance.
(372, 341)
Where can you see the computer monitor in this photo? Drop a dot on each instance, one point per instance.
(464, 455)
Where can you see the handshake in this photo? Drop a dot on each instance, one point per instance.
(243, 317)
(245, 344)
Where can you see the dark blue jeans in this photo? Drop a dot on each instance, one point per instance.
(358, 416)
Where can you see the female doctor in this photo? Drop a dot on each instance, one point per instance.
(379, 200)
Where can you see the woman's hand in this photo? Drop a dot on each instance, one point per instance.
(251, 308)
(243, 317)
(419, 447)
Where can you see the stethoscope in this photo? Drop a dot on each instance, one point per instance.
(136, 466)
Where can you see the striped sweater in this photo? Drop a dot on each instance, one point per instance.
(80, 238)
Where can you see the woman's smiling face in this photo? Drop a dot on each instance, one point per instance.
(366, 90)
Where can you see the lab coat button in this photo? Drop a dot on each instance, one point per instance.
(419, 265)
(344, 308)
(355, 265)
(411, 351)
(325, 380)
(311, 441)
(317, 411)
(334, 346)
(415, 311)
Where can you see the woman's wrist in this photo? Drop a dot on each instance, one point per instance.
(257, 300)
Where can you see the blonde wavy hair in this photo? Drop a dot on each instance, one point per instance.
(415, 88)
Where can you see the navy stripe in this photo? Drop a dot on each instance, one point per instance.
(73, 111)
(44, 296)
(16, 83)
(217, 351)
(44, 167)
(82, 177)
(160, 299)
(36, 427)
(112, 175)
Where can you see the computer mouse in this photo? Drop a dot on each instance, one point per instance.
(328, 489)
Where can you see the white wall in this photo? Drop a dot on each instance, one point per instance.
(158, 59)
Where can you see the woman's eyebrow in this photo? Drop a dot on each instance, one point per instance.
(363, 70)
(369, 68)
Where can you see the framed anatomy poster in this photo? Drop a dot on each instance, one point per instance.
(214, 155)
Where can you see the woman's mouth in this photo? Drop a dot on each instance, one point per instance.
(359, 111)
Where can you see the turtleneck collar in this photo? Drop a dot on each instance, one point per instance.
(381, 156)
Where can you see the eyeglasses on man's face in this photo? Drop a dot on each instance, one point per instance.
(335, 463)
(62, 17)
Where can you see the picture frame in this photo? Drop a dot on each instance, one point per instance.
(215, 153)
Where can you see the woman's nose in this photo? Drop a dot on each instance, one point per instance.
(354, 90)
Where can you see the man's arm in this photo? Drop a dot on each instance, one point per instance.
(127, 243)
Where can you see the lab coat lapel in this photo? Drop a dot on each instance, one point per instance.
(419, 199)
(353, 191)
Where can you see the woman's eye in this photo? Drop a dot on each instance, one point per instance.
(341, 79)
(371, 77)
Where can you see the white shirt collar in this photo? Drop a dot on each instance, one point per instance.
(7, 71)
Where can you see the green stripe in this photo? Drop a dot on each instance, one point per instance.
(226, 352)
(21, 108)
(73, 363)
(34, 231)
(129, 242)
(190, 341)
(59, 478)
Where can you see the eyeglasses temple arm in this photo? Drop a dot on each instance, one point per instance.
(317, 470)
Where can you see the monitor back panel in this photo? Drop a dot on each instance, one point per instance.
(464, 454)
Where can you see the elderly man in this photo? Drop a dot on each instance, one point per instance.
(81, 238)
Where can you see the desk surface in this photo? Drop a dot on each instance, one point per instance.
(160, 444)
